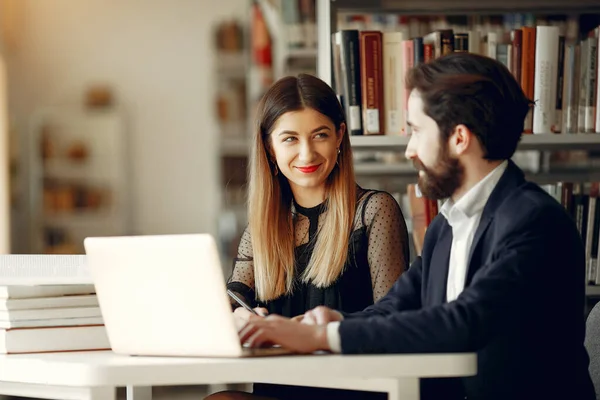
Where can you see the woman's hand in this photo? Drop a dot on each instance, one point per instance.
(241, 315)
(298, 318)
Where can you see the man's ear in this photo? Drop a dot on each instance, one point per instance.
(461, 140)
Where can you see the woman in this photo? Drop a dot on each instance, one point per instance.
(314, 237)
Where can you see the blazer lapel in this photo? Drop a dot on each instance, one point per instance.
(484, 222)
(511, 178)
(440, 261)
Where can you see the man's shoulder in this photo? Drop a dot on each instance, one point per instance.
(524, 203)
(529, 201)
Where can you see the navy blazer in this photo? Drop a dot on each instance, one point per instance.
(522, 308)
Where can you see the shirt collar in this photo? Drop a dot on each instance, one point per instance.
(473, 202)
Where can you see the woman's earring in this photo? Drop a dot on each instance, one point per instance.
(339, 151)
(276, 169)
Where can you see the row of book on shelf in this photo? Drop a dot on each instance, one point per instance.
(557, 71)
(579, 199)
(42, 315)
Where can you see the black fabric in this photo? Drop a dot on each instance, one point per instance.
(378, 253)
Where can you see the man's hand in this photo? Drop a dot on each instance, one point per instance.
(289, 334)
(321, 316)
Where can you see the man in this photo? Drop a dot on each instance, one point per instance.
(502, 267)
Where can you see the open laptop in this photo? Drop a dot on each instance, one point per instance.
(165, 296)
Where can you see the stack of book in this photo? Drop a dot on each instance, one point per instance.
(48, 303)
(50, 318)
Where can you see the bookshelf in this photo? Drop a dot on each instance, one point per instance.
(232, 49)
(569, 157)
(292, 30)
(79, 178)
(328, 10)
(278, 39)
(547, 142)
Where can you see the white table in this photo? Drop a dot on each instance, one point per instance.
(95, 375)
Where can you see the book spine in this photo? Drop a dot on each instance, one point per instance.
(590, 235)
(597, 124)
(528, 71)
(434, 39)
(502, 52)
(590, 91)
(337, 77)
(461, 42)
(447, 38)
(491, 41)
(393, 77)
(350, 67)
(418, 49)
(583, 81)
(372, 82)
(474, 42)
(560, 83)
(428, 52)
(407, 64)
(571, 98)
(516, 39)
(546, 69)
(509, 58)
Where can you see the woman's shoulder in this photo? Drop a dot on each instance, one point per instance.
(371, 202)
(373, 198)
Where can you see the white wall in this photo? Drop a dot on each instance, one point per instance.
(4, 144)
(158, 55)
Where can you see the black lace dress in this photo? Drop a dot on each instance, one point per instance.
(378, 253)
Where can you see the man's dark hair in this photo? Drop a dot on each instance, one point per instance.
(478, 92)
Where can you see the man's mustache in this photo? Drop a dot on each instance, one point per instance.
(419, 166)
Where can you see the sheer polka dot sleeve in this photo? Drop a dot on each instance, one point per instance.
(388, 249)
(242, 276)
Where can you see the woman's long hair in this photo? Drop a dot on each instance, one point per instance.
(270, 196)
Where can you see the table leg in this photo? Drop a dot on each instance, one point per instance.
(405, 389)
(100, 393)
(139, 392)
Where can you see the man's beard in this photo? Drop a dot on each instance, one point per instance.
(442, 181)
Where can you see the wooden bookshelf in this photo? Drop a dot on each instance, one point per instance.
(550, 141)
(79, 181)
(469, 16)
(327, 12)
(404, 173)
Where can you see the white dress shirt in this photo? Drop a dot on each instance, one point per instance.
(463, 217)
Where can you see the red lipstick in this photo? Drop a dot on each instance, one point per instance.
(309, 169)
